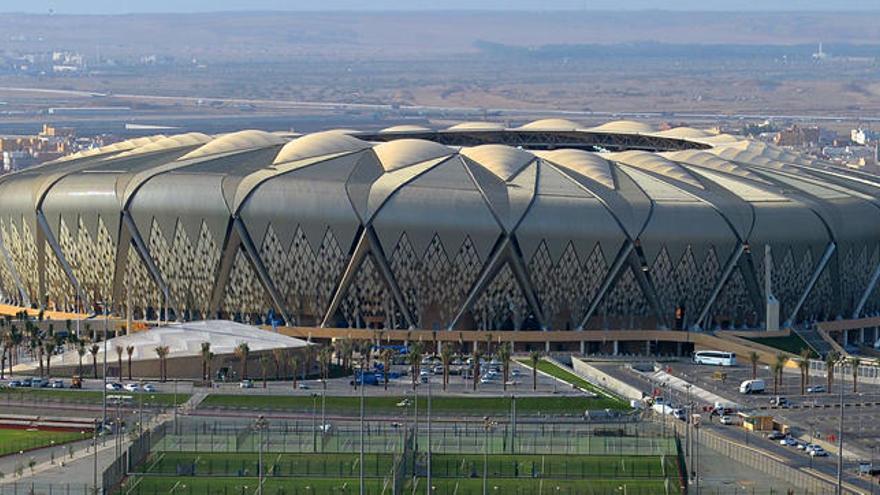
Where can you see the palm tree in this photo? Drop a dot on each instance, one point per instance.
(830, 360)
(503, 354)
(475, 359)
(415, 361)
(278, 356)
(446, 357)
(119, 351)
(387, 357)
(206, 360)
(753, 359)
(80, 351)
(324, 357)
(49, 347)
(855, 362)
(535, 358)
(778, 366)
(264, 367)
(93, 350)
(804, 365)
(293, 362)
(242, 352)
(129, 350)
(162, 352)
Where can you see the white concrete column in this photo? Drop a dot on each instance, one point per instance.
(583, 348)
(647, 348)
(547, 346)
(616, 348)
(861, 335)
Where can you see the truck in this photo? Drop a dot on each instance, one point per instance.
(756, 386)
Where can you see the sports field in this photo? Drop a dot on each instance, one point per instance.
(464, 405)
(16, 440)
(219, 458)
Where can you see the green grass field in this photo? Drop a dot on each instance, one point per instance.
(567, 376)
(792, 343)
(86, 396)
(13, 440)
(470, 406)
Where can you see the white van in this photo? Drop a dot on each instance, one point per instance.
(756, 386)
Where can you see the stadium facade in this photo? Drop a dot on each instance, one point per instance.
(545, 226)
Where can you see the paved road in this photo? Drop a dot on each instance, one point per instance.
(791, 456)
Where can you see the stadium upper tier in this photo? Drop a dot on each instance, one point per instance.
(547, 225)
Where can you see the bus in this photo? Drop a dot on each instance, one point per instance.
(717, 358)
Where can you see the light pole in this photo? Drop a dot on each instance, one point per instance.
(314, 422)
(487, 427)
(839, 490)
(361, 378)
(104, 373)
(687, 430)
(428, 484)
(260, 425)
(95, 459)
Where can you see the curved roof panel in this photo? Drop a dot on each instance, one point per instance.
(704, 159)
(624, 127)
(406, 128)
(503, 161)
(685, 133)
(319, 144)
(590, 165)
(550, 125)
(405, 152)
(656, 164)
(477, 126)
(235, 141)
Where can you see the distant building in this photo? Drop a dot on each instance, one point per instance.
(798, 136)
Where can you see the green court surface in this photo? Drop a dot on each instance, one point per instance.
(445, 405)
(147, 485)
(473, 486)
(13, 441)
(274, 464)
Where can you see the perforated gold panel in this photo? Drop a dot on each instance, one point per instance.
(305, 279)
(565, 289)
(244, 296)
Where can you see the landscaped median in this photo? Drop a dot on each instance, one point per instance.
(13, 440)
(440, 405)
(88, 397)
(550, 368)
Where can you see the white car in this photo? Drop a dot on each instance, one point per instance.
(728, 420)
(817, 451)
(788, 442)
(113, 386)
(132, 387)
(302, 386)
(149, 388)
(246, 384)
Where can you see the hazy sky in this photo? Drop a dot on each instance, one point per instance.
(136, 6)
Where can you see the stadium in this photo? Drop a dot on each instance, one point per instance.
(547, 226)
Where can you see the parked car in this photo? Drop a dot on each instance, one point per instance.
(132, 387)
(788, 442)
(113, 386)
(818, 451)
(727, 419)
(775, 435)
(679, 414)
(56, 384)
(779, 401)
(14, 384)
(26, 382)
(302, 386)
(39, 383)
(514, 372)
(816, 389)
(246, 384)
(149, 388)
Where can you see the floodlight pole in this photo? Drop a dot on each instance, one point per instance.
(428, 485)
(104, 377)
(839, 489)
(361, 378)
